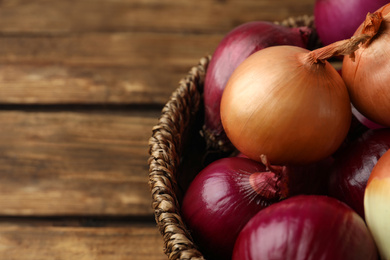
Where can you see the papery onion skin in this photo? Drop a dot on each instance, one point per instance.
(367, 74)
(220, 201)
(337, 20)
(364, 120)
(377, 206)
(305, 227)
(236, 46)
(309, 179)
(352, 167)
(281, 106)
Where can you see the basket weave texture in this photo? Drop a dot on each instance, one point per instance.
(167, 147)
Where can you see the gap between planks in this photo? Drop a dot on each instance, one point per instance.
(35, 239)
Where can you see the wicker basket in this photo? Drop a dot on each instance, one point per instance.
(177, 150)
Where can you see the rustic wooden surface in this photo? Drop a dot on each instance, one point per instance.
(81, 85)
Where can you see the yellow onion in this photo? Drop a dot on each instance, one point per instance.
(288, 104)
(377, 206)
(366, 73)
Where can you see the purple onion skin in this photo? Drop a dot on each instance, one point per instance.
(236, 46)
(310, 179)
(306, 227)
(337, 20)
(352, 167)
(219, 202)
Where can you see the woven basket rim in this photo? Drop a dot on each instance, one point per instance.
(165, 148)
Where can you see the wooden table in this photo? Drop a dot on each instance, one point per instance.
(82, 82)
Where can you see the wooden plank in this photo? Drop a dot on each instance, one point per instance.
(63, 84)
(119, 68)
(19, 241)
(45, 16)
(75, 162)
(46, 60)
(123, 49)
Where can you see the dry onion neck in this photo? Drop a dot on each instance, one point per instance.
(347, 47)
(271, 184)
(372, 23)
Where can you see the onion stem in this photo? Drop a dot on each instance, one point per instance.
(347, 47)
(271, 184)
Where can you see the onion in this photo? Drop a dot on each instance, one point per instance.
(304, 179)
(356, 129)
(288, 103)
(236, 46)
(223, 197)
(376, 205)
(306, 227)
(366, 74)
(337, 20)
(352, 167)
(364, 120)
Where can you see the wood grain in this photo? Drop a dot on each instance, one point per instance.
(114, 52)
(20, 241)
(120, 68)
(209, 16)
(82, 84)
(75, 163)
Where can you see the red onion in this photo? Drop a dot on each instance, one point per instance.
(305, 179)
(223, 197)
(353, 166)
(236, 46)
(306, 227)
(337, 20)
